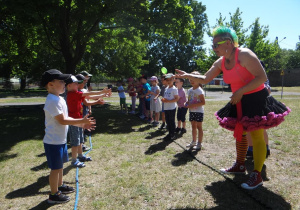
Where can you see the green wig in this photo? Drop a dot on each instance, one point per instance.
(226, 33)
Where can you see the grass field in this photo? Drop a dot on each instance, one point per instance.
(133, 168)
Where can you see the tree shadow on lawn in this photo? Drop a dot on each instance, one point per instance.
(109, 120)
(30, 125)
(33, 189)
(17, 127)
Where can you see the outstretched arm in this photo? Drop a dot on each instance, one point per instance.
(86, 121)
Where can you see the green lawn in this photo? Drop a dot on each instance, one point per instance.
(133, 168)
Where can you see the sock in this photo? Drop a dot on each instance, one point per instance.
(241, 149)
(80, 155)
(74, 160)
(267, 147)
(259, 149)
(250, 148)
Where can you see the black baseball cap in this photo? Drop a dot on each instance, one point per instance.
(85, 73)
(80, 78)
(71, 79)
(51, 75)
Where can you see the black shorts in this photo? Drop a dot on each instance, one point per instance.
(181, 113)
(196, 116)
(147, 103)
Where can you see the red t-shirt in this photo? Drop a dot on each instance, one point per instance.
(131, 88)
(74, 102)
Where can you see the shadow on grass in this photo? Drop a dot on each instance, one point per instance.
(184, 157)
(155, 134)
(18, 127)
(227, 195)
(110, 121)
(29, 125)
(34, 188)
(157, 147)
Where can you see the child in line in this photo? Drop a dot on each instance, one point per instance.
(182, 110)
(74, 102)
(170, 103)
(195, 103)
(139, 90)
(162, 94)
(132, 93)
(122, 96)
(155, 102)
(86, 109)
(55, 139)
(146, 96)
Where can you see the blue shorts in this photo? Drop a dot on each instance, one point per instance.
(162, 107)
(76, 135)
(56, 155)
(181, 112)
(196, 116)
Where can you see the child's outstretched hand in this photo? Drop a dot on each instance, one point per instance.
(88, 120)
(100, 101)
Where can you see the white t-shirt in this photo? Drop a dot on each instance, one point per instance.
(154, 89)
(194, 98)
(55, 133)
(122, 94)
(170, 92)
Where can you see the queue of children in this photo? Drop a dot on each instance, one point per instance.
(71, 115)
(62, 116)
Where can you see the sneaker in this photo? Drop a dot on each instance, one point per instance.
(177, 130)
(183, 130)
(142, 117)
(237, 168)
(65, 189)
(58, 198)
(155, 123)
(192, 144)
(197, 146)
(162, 126)
(253, 182)
(78, 164)
(84, 158)
(85, 148)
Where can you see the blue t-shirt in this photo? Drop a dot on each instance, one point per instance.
(146, 87)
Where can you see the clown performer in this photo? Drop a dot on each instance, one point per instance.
(250, 109)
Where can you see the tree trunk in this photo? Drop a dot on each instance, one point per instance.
(23, 84)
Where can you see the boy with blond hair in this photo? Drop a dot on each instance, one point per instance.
(56, 122)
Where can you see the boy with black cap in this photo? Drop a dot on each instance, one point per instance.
(56, 122)
(75, 99)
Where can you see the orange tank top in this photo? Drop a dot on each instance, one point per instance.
(238, 76)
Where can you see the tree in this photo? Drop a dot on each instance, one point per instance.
(236, 24)
(176, 53)
(70, 25)
(256, 41)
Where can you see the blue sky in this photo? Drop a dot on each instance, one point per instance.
(282, 17)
